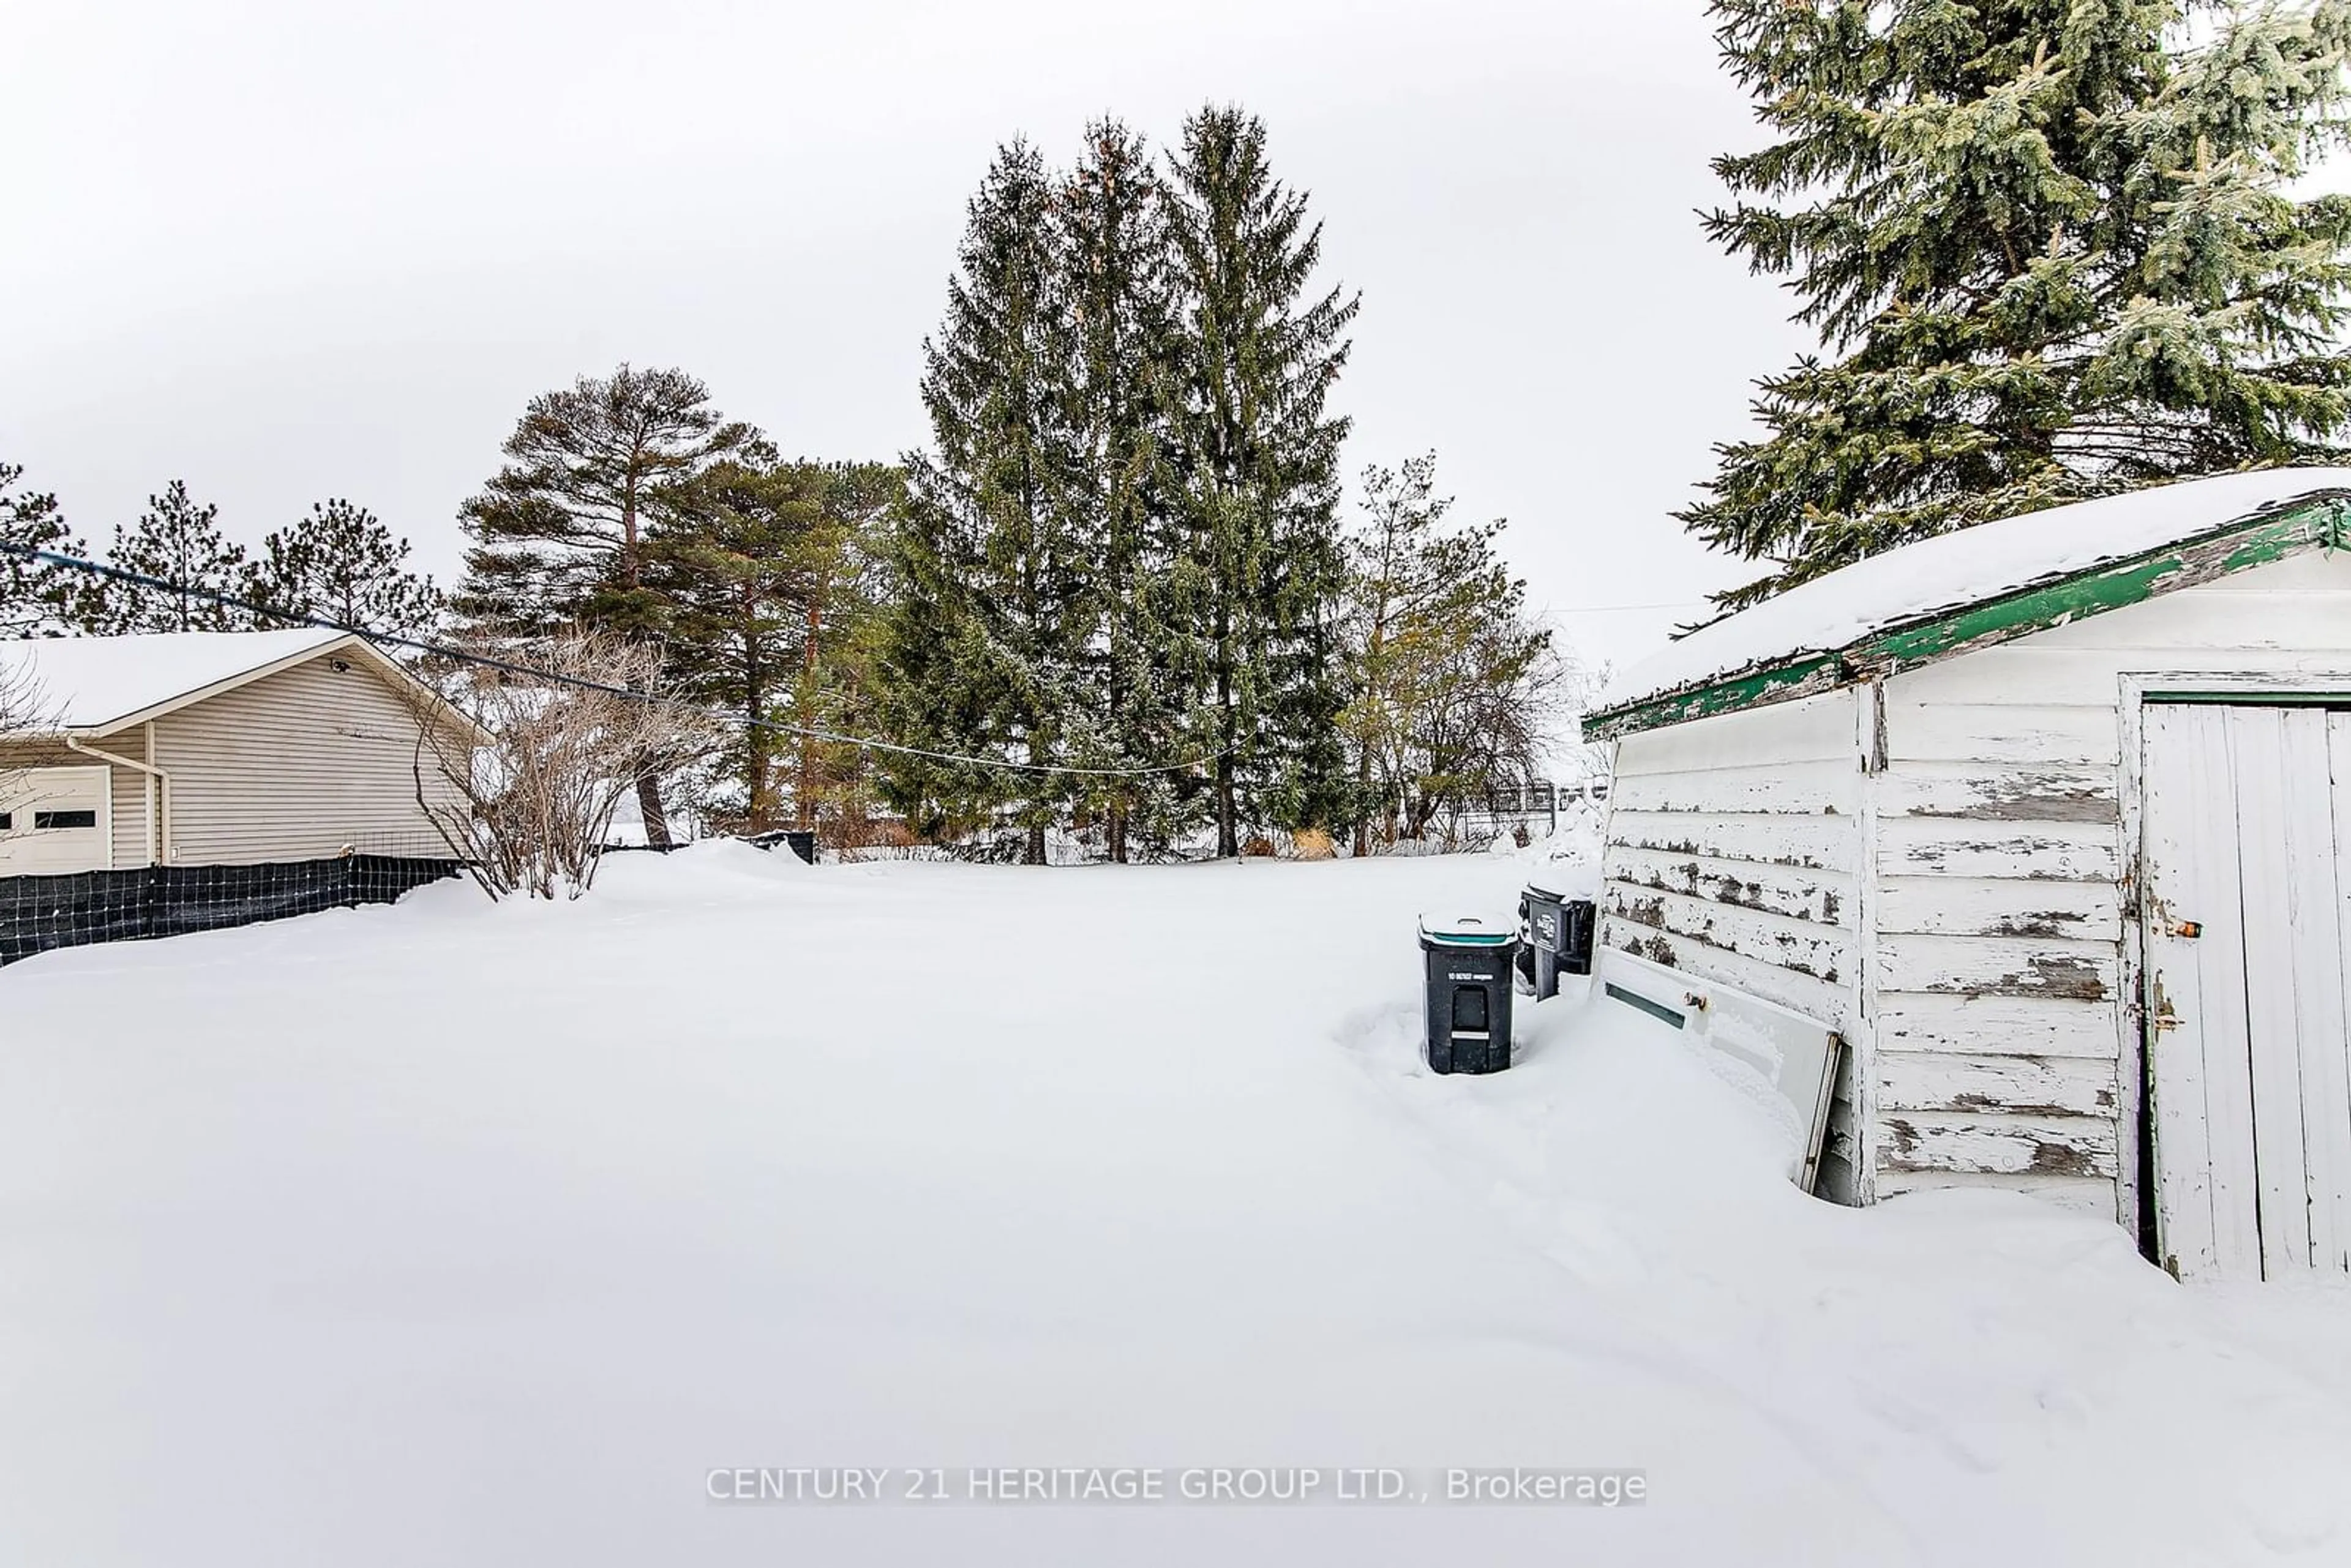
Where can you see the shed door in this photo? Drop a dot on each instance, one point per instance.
(53, 819)
(2247, 868)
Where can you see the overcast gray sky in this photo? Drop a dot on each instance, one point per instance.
(290, 250)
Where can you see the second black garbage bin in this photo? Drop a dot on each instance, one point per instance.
(1466, 1008)
(1559, 930)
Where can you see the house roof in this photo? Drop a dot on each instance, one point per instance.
(94, 685)
(1980, 585)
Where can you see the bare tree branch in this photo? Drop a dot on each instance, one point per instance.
(527, 811)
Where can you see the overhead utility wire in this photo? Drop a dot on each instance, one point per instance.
(119, 574)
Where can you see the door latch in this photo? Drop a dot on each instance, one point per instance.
(2191, 929)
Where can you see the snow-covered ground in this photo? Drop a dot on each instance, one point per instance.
(455, 1234)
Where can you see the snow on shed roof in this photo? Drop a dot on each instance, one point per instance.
(1953, 571)
(90, 683)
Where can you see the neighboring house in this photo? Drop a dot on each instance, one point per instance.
(2051, 820)
(212, 748)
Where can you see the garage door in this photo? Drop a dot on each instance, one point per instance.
(2247, 867)
(53, 819)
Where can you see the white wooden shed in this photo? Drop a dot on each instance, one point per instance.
(2050, 820)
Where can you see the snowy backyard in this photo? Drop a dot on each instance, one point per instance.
(453, 1233)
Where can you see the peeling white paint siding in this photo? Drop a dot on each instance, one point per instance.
(1734, 854)
(1991, 1010)
(2006, 920)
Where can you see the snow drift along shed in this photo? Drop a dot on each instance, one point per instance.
(2050, 818)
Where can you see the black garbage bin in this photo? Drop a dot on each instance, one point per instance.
(1559, 931)
(1468, 959)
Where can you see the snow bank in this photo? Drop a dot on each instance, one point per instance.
(1567, 861)
(710, 868)
(1961, 568)
(448, 1233)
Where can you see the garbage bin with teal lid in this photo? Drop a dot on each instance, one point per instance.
(1468, 959)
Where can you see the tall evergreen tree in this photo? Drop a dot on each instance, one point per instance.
(342, 564)
(179, 542)
(765, 570)
(1117, 364)
(2048, 247)
(560, 532)
(727, 564)
(36, 600)
(1261, 569)
(986, 645)
(841, 560)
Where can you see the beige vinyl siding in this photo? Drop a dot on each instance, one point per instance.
(130, 785)
(1734, 854)
(299, 765)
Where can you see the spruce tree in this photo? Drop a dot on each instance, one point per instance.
(36, 600)
(2050, 250)
(1259, 577)
(560, 532)
(1116, 361)
(341, 564)
(984, 649)
(178, 542)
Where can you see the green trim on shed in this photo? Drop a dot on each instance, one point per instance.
(2224, 698)
(2318, 521)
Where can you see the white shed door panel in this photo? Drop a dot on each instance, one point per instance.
(2248, 871)
(58, 821)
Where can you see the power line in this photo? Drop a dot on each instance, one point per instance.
(119, 574)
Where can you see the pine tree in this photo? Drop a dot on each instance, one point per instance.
(1404, 574)
(560, 532)
(841, 563)
(1260, 570)
(724, 565)
(984, 651)
(341, 564)
(2048, 247)
(178, 542)
(1116, 361)
(1453, 683)
(36, 600)
(765, 570)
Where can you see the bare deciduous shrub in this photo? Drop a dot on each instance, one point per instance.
(526, 801)
(22, 710)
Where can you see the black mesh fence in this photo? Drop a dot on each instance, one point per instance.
(38, 913)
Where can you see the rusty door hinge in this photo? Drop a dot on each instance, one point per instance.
(2191, 929)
